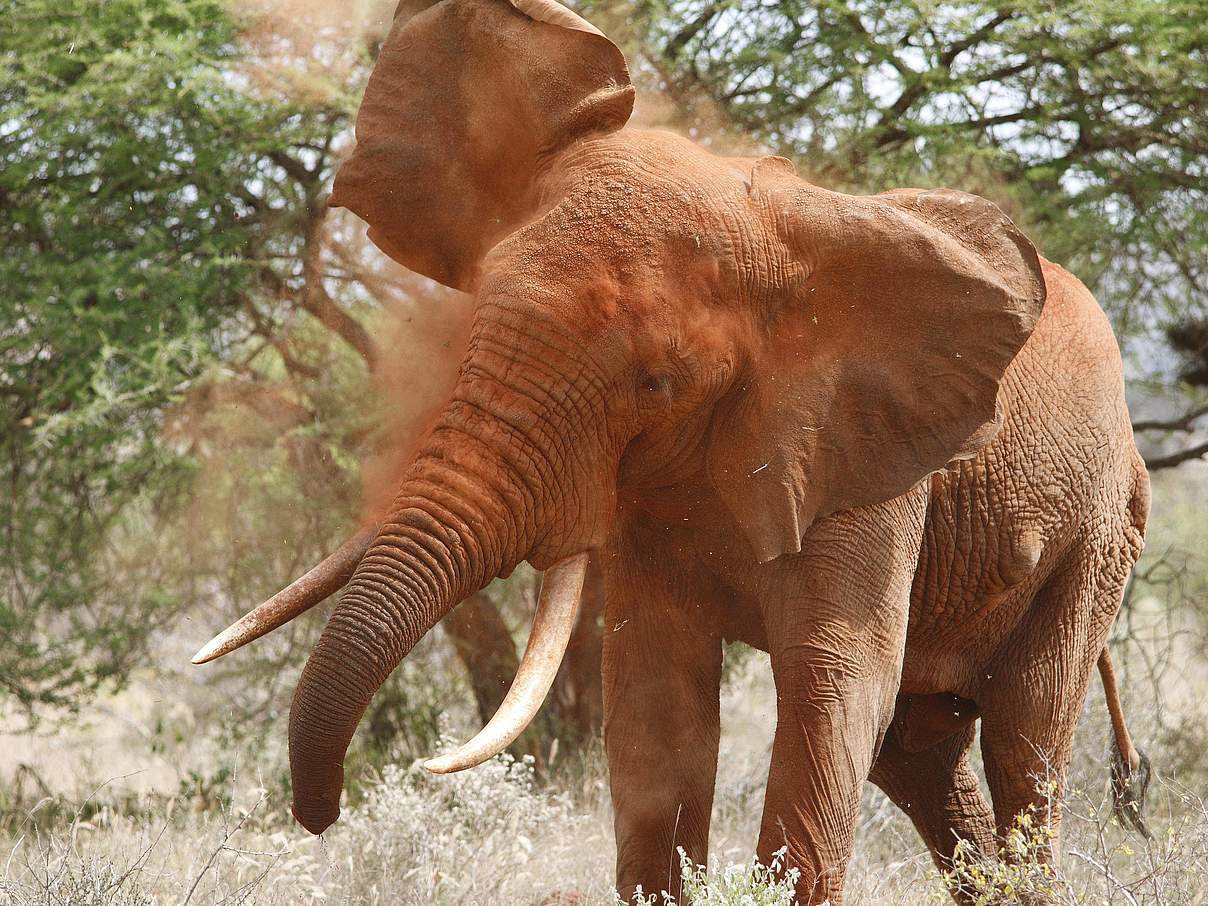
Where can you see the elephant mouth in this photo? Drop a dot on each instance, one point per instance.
(553, 622)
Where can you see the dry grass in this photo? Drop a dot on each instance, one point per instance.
(493, 836)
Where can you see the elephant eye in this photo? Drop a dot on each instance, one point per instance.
(654, 383)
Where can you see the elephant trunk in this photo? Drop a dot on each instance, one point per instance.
(427, 556)
(469, 510)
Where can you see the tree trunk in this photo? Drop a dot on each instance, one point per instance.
(484, 646)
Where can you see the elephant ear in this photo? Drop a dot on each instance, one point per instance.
(889, 332)
(467, 100)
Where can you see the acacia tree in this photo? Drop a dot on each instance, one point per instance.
(122, 263)
(1085, 120)
(161, 186)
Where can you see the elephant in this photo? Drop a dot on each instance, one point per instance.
(878, 437)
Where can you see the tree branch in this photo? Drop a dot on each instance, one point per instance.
(918, 84)
(691, 30)
(318, 302)
(954, 50)
(1185, 422)
(292, 167)
(1199, 451)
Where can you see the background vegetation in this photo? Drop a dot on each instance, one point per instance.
(206, 378)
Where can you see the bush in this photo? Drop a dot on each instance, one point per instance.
(752, 884)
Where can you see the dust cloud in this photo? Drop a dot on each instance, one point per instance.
(424, 330)
(310, 51)
(307, 413)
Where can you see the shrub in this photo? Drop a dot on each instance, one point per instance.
(752, 884)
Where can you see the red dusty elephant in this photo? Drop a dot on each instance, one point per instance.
(878, 437)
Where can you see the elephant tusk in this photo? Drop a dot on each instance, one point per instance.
(557, 611)
(299, 596)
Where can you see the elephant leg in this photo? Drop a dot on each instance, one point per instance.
(836, 621)
(939, 790)
(662, 679)
(1030, 713)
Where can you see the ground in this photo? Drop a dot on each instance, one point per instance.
(144, 803)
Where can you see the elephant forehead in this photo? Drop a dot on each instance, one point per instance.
(617, 264)
(633, 239)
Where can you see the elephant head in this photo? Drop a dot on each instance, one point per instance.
(653, 323)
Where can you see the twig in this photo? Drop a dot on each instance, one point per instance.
(227, 835)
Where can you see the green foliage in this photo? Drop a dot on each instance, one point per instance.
(113, 256)
(140, 198)
(1022, 873)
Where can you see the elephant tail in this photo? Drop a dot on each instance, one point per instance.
(1131, 769)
